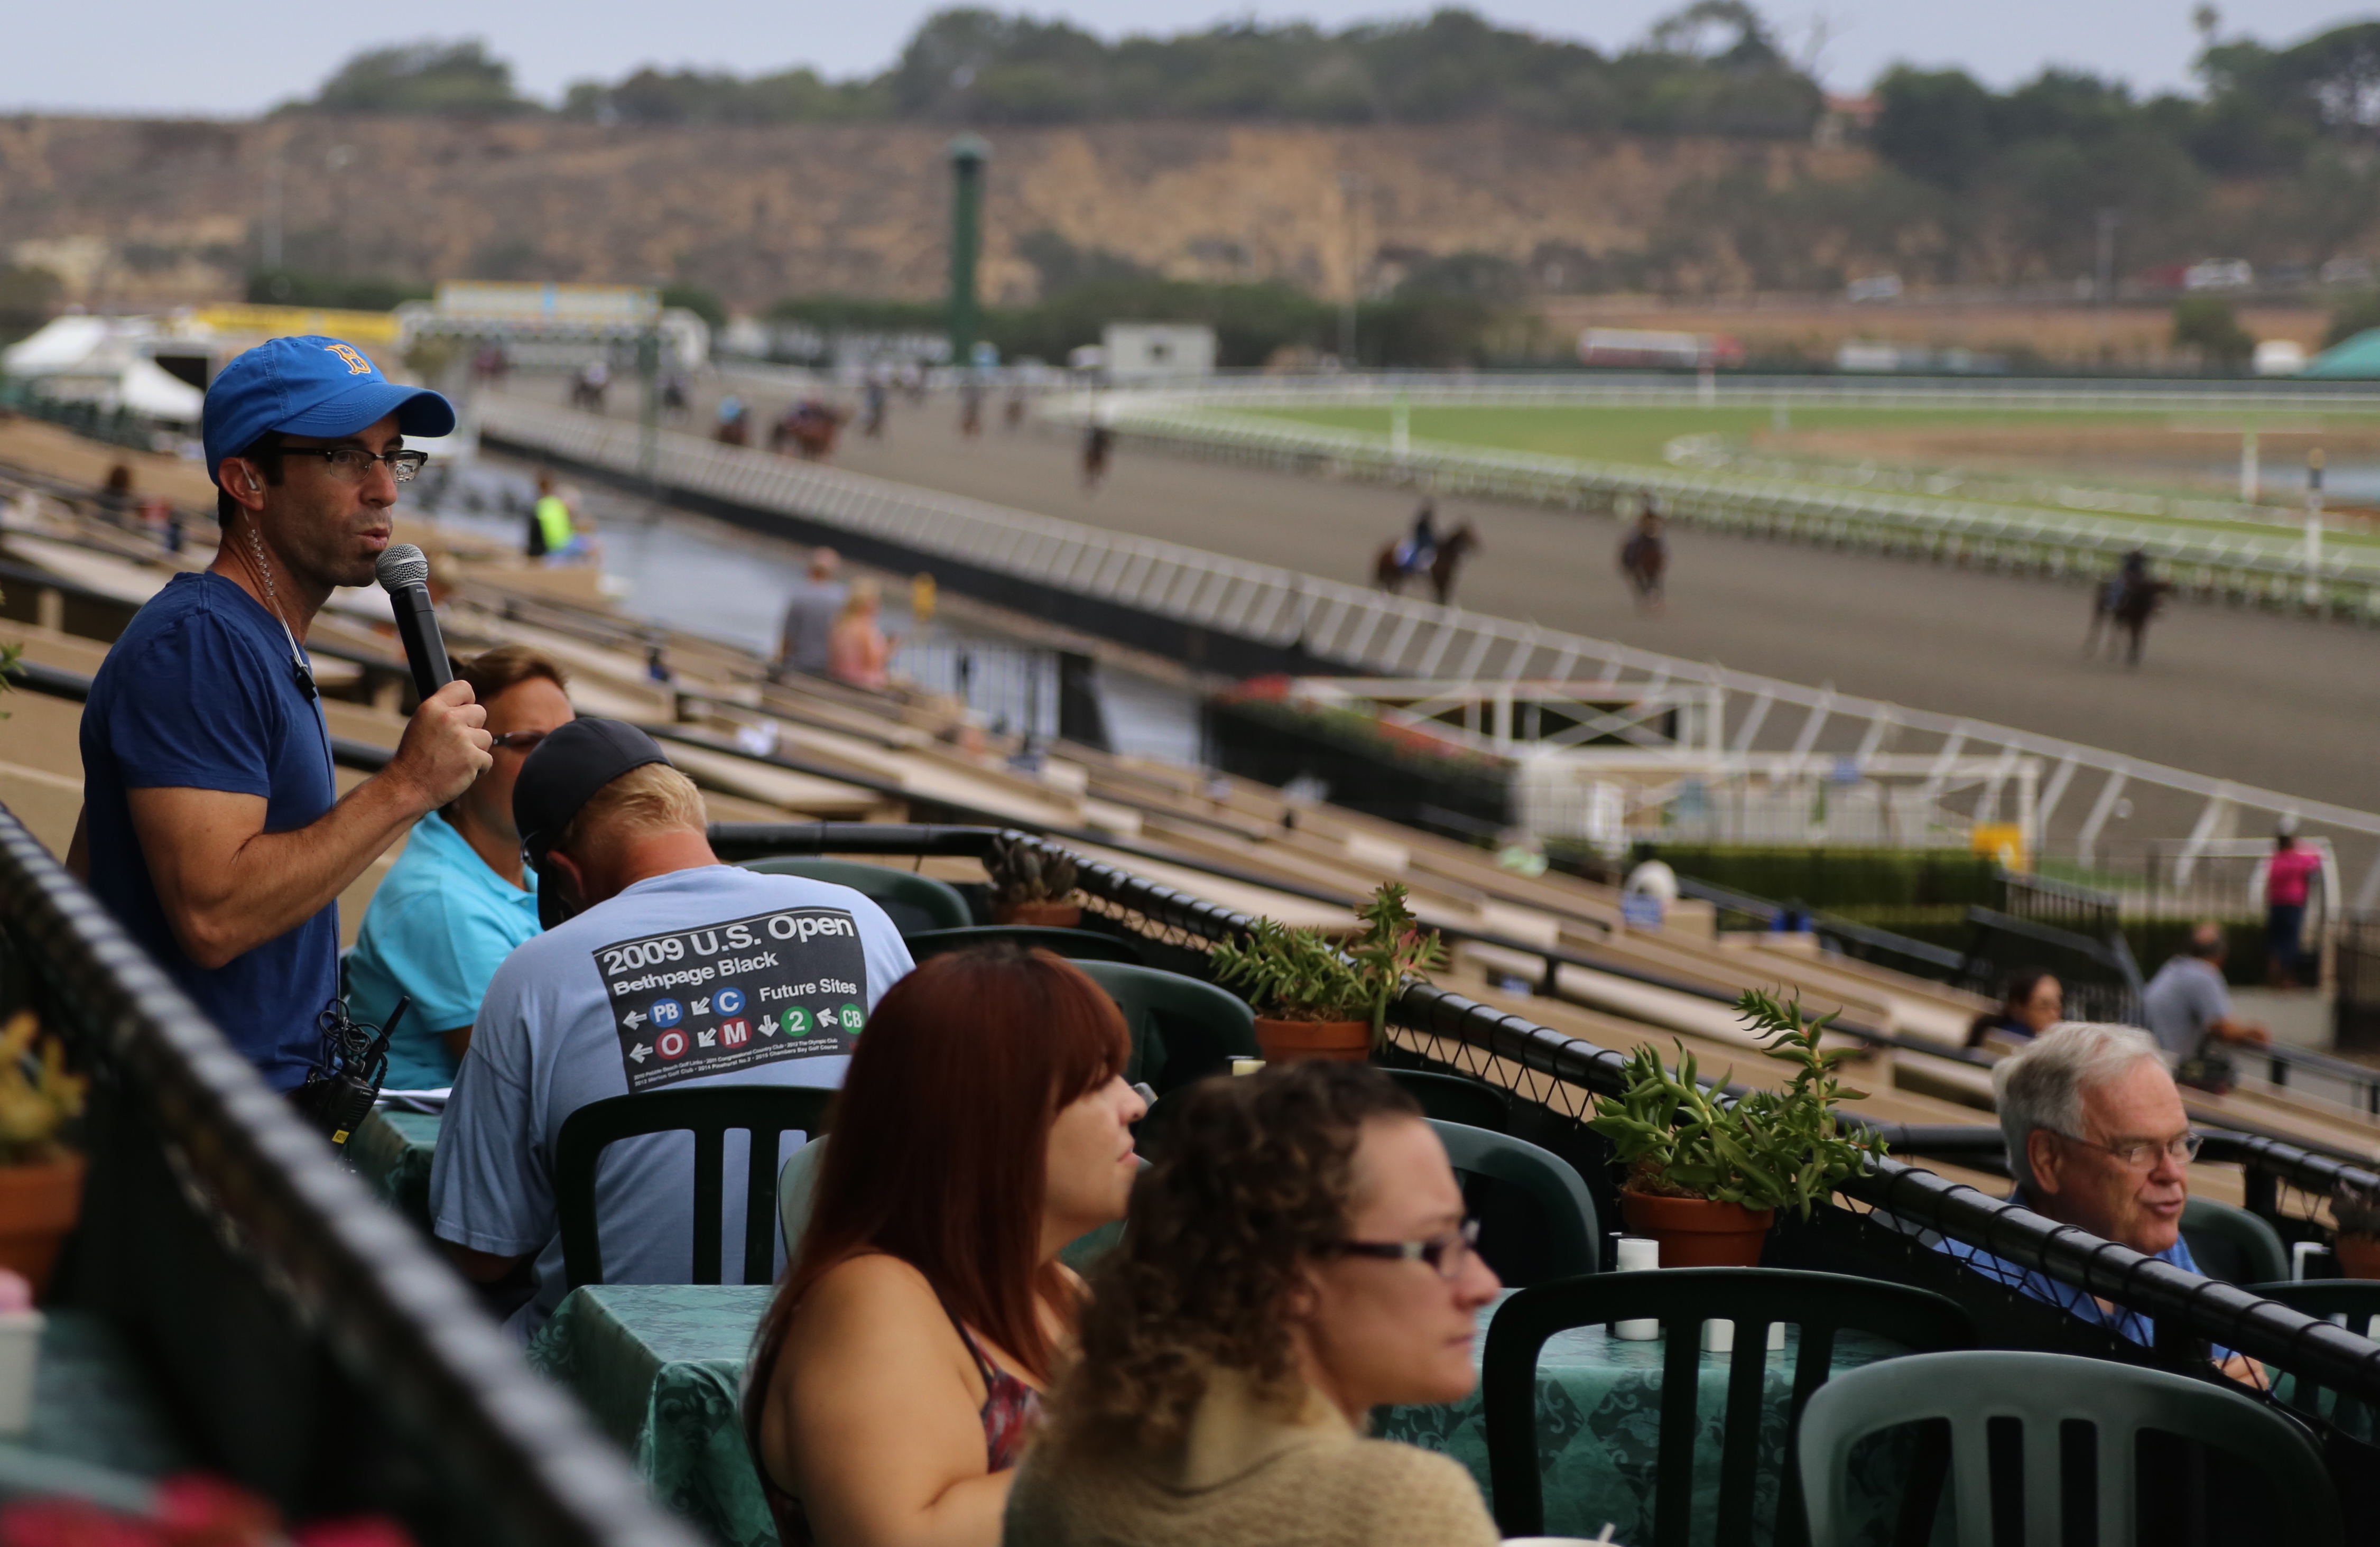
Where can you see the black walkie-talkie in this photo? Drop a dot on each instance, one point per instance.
(339, 1095)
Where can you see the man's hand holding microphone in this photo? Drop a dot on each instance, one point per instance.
(446, 745)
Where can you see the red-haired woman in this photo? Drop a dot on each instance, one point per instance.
(984, 1125)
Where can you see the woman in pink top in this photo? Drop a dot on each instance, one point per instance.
(858, 652)
(2287, 877)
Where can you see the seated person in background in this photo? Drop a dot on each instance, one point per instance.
(1297, 1256)
(985, 1125)
(2033, 1003)
(2187, 1005)
(858, 653)
(458, 899)
(2098, 1138)
(659, 967)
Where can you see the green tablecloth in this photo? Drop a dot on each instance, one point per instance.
(93, 1404)
(659, 1367)
(391, 1151)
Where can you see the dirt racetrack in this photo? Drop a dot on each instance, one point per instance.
(2265, 700)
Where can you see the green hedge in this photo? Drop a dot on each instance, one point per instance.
(1843, 881)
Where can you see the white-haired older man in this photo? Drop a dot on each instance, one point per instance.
(2096, 1138)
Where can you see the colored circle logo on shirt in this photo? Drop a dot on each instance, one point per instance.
(853, 1017)
(797, 1021)
(730, 1001)
(668, 1012)
(670, 1044)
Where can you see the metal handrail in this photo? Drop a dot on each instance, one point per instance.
(1321, 619)
(400, 1322)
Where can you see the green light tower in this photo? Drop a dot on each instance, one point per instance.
(968, 153)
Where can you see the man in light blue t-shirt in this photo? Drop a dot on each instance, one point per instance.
(659, 967)
(458, 899)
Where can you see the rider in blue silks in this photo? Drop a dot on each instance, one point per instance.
(1419, 551)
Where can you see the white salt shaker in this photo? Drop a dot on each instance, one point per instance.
(1637, 1254)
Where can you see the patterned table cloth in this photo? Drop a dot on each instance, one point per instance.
(391, 1151)
(658, 1366)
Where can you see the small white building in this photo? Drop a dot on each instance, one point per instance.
(1158, 351)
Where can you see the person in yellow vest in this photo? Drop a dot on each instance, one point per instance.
(553, 535)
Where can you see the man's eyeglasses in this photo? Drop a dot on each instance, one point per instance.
(519, 741)
(1447, 1254)
(2142, 1153)
(353, 464)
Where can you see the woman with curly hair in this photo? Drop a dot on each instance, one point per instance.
(984, 1125)
(1297, 1256)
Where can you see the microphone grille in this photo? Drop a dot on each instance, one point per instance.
(401, 563)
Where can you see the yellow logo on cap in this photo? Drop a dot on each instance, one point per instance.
(356, 364)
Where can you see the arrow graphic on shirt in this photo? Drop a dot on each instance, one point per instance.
(633, 1019)
(767, 1025)
(707, 1039)
(701, 1007)
(640, 1053)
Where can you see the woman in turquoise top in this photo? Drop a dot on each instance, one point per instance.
(457, 900)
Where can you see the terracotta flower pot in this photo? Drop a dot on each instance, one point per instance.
(1695, 1232)
(1052, 915)
(1285, 1042)
(37, 1205)
(2359, 1256)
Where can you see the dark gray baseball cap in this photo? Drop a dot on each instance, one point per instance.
(566, 770)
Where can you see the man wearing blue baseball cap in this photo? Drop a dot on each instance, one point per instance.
(212, 826)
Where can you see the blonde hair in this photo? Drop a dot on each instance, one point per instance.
(864, 594)
(639, 803)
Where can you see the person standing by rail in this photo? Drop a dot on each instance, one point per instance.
(212, 826)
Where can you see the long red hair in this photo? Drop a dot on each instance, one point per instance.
(941, 1143)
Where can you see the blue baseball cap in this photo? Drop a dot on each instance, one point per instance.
(311, 385)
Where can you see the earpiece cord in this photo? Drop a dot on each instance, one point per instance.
(298, 659)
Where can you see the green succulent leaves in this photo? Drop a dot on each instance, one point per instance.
(1301, 974)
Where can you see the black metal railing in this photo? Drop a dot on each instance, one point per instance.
(316, 1349)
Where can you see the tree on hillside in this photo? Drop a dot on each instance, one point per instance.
(2206, 324)
(447, 78)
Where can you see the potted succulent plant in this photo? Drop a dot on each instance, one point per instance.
(41, 1180)
(2357, 1245)
(1030, 884)
(1706, 1177)
(1329, 999)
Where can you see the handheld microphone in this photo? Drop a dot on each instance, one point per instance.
(404, 574)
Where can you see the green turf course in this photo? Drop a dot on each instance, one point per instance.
(1638, 435)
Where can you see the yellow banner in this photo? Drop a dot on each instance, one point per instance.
(282, 321)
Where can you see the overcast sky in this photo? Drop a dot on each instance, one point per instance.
(238, 56)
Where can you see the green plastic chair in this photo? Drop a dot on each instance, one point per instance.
(2043, 1393)
(2354, 1303)
(1822, 1305)
(1565, 1236)
(766, 1112)
(1074, 945)
(2233, 1244)
(915, 903)
(1456, 1098)
(1182, 1029)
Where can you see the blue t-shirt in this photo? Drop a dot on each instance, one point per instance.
(438, 928)
(712, 976)
(2122, 1321)
(200, 693)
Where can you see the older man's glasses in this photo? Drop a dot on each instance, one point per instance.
(2140, 1154)
(352, 464)
(1447, 1254)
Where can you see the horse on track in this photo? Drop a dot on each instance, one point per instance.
(2124, 606)
(1644, 559)
(811, 428)
(1389, 571)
